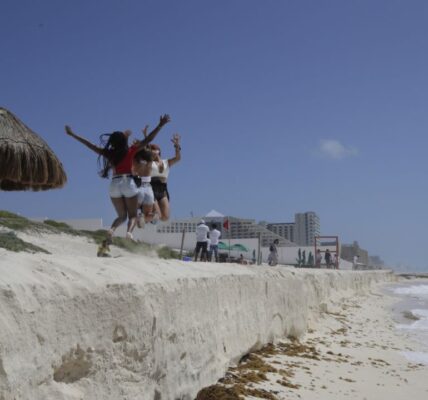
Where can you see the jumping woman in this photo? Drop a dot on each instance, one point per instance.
(142, 168)
(118, 156)
(160, 172)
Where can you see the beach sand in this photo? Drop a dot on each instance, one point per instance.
(353, 351)
(77, 327)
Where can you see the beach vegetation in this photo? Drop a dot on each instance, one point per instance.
(18, 223)
(302, 261)
(168, 253)
(15, 222)
(130, 245)
(61, 227)
(97, 236)
(11, 242)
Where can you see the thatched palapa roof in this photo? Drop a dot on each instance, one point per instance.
(26, 161)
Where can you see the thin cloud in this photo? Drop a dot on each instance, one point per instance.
(334, 149)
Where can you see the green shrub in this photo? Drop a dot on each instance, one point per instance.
(18, 223)
(98, 236)
(131, 246)
(168, 253)
(11, 242)
(61, 226)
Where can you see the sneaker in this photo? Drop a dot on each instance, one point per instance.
(130, 236)
(140, 221)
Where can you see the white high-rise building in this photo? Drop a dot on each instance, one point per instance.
(307, 226)
(284, 229)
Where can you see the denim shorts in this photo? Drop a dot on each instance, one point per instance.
(145, 195)
(123, 186)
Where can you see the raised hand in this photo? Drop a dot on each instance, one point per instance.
(164, 119)
(68, 131)
(145, 130)
(176, 140)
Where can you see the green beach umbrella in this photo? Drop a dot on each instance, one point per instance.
(238, 247)
(223, 246)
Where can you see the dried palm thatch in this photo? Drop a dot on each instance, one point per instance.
(26, 161)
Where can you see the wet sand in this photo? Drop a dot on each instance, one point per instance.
(352, 351)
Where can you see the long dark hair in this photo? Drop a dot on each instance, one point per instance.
(115, 149)
(145, 154)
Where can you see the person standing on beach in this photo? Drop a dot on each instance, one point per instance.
(273, 255)
(355, 262)
(327, 258)
(318, 259)
(202, 232)
(116, 155)
(335, 261)
(215, 235)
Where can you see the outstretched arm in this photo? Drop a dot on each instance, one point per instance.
(144, 130)
(88, 144)
(164, 119)
(176, 141)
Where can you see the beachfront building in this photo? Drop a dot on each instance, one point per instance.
(240, 228)
(307, 227)
(283, 229)
(230, 228)
(302, 231)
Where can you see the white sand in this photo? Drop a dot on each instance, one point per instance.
(360, 356)
(74, 326)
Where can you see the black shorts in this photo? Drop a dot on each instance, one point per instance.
(160, 189)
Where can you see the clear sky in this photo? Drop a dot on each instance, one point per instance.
(283, 107)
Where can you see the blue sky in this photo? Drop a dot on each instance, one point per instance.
(283, 106)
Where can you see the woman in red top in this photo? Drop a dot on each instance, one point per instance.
(118, 156)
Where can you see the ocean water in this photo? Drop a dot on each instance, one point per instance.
(414, 300)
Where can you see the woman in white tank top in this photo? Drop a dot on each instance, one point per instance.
(160, 172)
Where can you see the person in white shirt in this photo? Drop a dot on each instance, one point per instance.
(273, 255)
(355, 262)
(202, 232)
(214, 238)
(334, 261)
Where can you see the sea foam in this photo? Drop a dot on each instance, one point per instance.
(420, 291)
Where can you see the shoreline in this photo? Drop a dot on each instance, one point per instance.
(353, 350)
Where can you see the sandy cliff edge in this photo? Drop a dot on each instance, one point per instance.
(135, 327)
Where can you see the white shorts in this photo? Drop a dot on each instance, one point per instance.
(145, 195)
(123, 186)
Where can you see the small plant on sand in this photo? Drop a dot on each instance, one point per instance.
(61, 227)
(98, 236)
(131, 246)
(11, 242)
(18, 223)
(168, 253)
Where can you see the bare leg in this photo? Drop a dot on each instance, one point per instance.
(164, 208)
(121, 210)
(131, 206)
(148, 212)
(156, 208)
